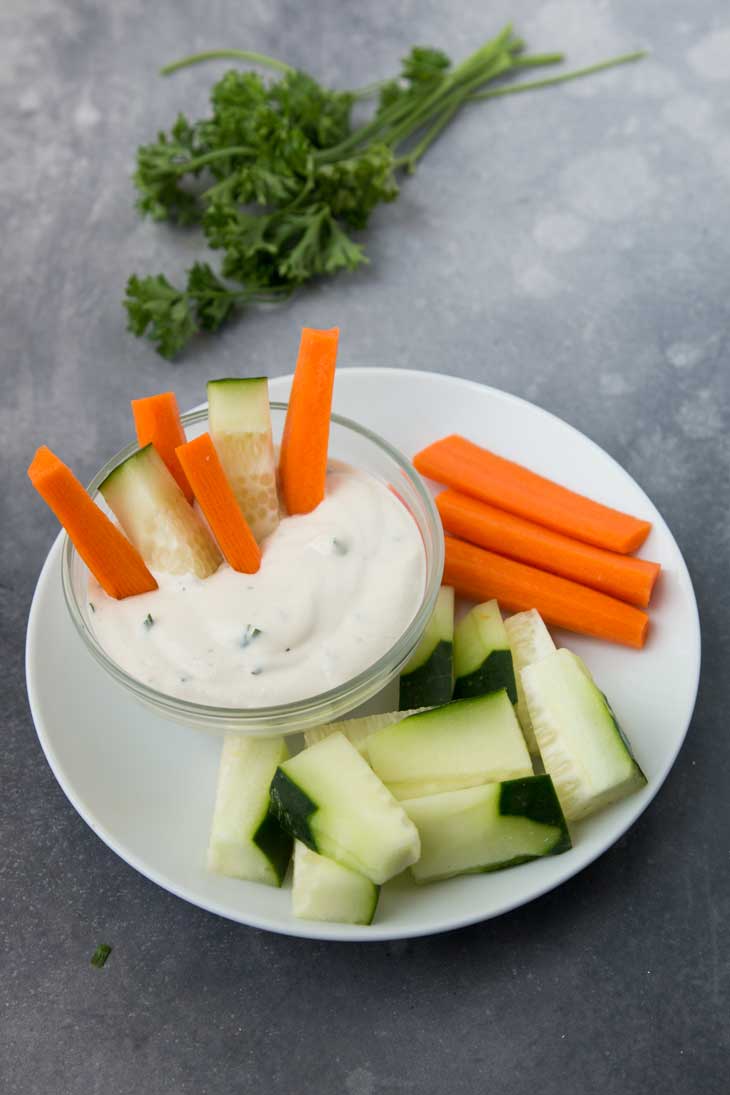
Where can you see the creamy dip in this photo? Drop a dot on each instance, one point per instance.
(336, 588)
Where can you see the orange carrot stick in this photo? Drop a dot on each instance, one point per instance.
(201, 464)
(303, 454)
(620, 576)
(115, 563)
(467, 467)
(482, 575)
(157, 420)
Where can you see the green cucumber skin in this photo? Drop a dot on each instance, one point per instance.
(374, 908)
(226, 380)
(292, 807)
(432, 683)
(623, 737)
(517, 861)
(275, 843)
(495, 672)
(376, 898)
(113, 475)
(367, 911)
(535, 798)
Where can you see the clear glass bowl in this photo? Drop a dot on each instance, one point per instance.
(356, 446)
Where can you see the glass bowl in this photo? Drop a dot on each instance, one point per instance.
(357, 446)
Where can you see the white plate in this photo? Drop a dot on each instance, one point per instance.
(146, 786)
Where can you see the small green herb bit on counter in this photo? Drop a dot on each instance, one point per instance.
(100, 955)
(278, 178)
(148, 621)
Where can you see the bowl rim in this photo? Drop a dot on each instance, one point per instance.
(304, 711)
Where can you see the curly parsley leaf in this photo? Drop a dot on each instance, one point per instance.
(353, 187)
(212, 300)
(323, 116)
(424, 65)
(157, 309)
(158, 174)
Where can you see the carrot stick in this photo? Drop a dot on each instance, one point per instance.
(466, 467)
(303, 454)
(629, 579)
(201, 464)
(157, 420)
(115, 563)
(482, 575)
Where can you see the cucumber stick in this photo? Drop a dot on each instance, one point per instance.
(428, 677)
(463, 744)
(246, 840)
(357, 731)
(530, 641)
(482, 655)
(156, 516)
(580, 741)
(239, 420)
(325, 890)
(329, 798)
(486, 828)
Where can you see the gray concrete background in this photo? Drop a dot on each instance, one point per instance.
(573, 247)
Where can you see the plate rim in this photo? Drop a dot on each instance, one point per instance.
(376, 933)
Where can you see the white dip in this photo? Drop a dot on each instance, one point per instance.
(336, 588)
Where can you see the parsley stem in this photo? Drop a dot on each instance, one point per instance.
(260, 295)
(399, 112)
(487, 63)
(364, 133)
(498, 67)
(368, 90)
(563, 77)
(226, 55)
(410, 160)
(535, 60)
(208, 157)
(486, 54)
(454, 95)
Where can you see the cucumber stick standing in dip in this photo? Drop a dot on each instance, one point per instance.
(153, 511)
(239, 421)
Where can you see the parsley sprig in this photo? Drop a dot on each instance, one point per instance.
(278, 178)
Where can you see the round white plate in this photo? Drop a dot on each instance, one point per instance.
(146, 786)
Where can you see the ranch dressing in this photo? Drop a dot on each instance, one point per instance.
(336, 588)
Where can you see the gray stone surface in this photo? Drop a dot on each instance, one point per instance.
(572, 247)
